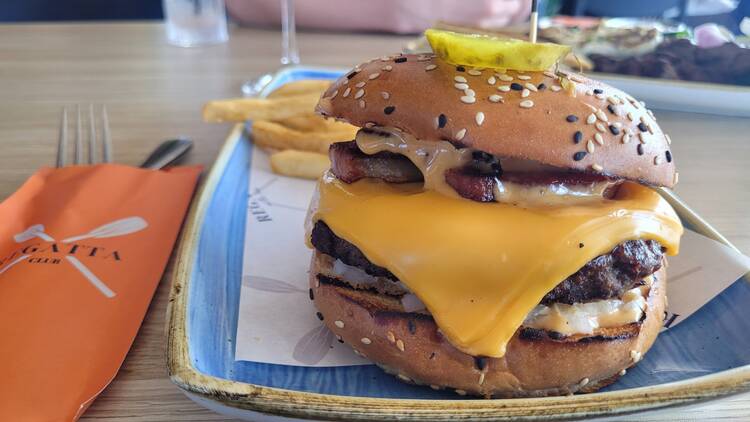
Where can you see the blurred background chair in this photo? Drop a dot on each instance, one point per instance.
(78, 10)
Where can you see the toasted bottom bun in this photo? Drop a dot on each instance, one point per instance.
(537, 363)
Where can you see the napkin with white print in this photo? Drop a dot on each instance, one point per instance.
(277, 321)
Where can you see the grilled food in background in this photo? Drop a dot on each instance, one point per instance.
(285, 125)
(492, 231)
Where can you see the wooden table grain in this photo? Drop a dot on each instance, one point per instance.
(154, 91)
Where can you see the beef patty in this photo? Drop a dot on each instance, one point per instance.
(604, 277)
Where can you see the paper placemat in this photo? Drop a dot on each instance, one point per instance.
(277, 322)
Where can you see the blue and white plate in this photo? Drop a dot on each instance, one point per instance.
(706, 356)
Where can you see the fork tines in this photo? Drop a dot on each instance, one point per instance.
(62, 146)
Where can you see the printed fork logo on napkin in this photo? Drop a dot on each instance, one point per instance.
(82, 249)
(69, 249)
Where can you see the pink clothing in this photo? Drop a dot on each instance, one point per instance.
(400, 16)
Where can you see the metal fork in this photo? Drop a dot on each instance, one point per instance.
(106, 139)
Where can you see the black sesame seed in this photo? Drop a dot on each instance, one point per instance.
(480, 362)
(320, 316)
(571, 118)
(432, 355)
(611, 109)
(312, 296)
(351, 74)
(642, 126)
(598, 91)
(389, 109)
(578, 156)
(340, 340)
(400, 59)
(614, 129)
(412, 327)
(460, 69)
(578, 136)
(580, 245)
(541, 86)
(516, 86)
(640, 149)
(442, 121)
(668, 155)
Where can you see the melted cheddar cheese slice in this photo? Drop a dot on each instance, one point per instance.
(481, 267)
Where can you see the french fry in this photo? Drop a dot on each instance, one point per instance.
(304, 164)
(307, 86)
(274, 135)
(311, 122)
(241, 109)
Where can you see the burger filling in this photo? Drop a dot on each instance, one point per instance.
(395, 157)
(608, 291)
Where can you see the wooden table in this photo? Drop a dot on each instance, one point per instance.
(154, 91)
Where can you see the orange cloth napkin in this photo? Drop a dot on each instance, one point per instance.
(82, 250)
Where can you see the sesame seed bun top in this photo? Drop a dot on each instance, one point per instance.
(526, 115)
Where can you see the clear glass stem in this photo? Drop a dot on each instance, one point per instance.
(289, 52)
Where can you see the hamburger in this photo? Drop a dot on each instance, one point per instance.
(492, 231)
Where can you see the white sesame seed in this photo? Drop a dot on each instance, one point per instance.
(423, 58)
(625, 138)
(555, 88)
(583, 382)
(676, 178)
(597, 167)
(468, 99)
(531, 87)
(590, 92)
(461, 86)
(336, 92)
(574, 77)
(598, 138)
(657, 160)
(525, 93)
(491, 80)
(346, 81)
(591, 119)
(385, 95)
(495, 98)
(481, 378)
(430, 67)
(435, 387)
(617, 125)
(361, 103)
(523, 77)
(339, 323)
(384, 59)
(479, 118)
(460, 134)
(504, 88)
(369, 124)
(360, 84)
(623, 372)
(600, 127)
(391, 337)
(359, 94)
(373, 75)
(550, 74)
(346, 93)
(459, 78)
(600, 96)
(473, 72)
(590, 146)
(613, 100)
(642, 137)
(404, 377)
(388, 68)
(470, 92)
(400, 345)
(503, 77)
(635, 356)
(461, 392)
(602, 116)
(365, 340)
(526, 104)
(669, 140)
